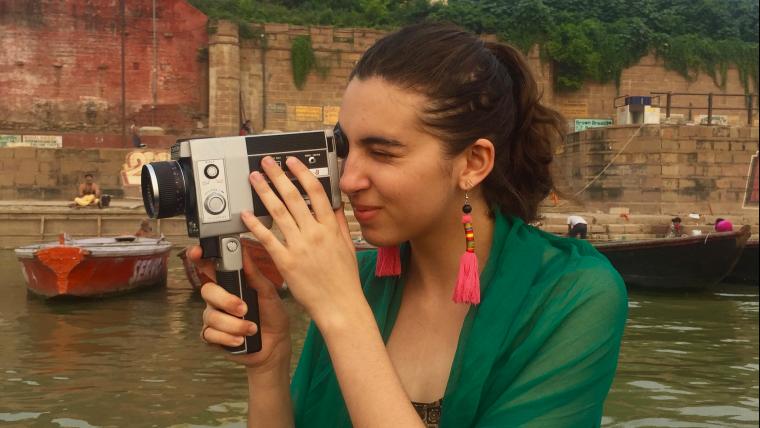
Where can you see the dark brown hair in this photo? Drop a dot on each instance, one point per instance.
(476, 89)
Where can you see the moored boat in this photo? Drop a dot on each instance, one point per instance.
(260, 257)
(94, 267)
(689, 262)
(746, 269)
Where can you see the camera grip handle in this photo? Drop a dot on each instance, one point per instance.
(234, 282)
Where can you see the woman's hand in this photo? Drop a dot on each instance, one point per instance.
(316, 257)
(222, 322)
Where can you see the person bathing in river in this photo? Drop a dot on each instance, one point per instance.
(464, 316)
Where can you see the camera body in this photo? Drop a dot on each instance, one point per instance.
(207, 178)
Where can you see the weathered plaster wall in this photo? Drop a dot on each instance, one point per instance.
(60, 65)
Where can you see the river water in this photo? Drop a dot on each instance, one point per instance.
(688, 360)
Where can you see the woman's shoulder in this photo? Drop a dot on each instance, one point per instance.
(574, 265)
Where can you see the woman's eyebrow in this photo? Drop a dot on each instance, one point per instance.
(373, 140)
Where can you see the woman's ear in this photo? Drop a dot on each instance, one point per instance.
(478, 162)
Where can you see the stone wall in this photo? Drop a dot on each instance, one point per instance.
(60, 65)
(658, 169)
(271, 100)
(31, 173)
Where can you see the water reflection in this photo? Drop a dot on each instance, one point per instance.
(136, 361)
(688, 360)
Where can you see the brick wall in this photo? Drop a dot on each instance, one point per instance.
(60, 65)
(662, 169)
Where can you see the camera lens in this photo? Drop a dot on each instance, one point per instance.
(163, 189)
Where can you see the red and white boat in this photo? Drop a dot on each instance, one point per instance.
(94, 267)
(260, 257)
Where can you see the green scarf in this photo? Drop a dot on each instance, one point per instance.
(540, 350)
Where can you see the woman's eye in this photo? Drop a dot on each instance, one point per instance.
(380, 154)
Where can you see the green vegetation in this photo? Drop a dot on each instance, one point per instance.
(585, 39)
(302, 59)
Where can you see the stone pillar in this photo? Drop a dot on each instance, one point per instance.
(224, 80)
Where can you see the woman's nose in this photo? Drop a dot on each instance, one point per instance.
(353, 177)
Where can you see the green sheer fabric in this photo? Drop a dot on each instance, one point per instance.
(540, 350)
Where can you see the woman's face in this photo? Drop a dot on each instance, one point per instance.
(399, 183)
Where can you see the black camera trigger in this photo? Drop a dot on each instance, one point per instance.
(210, 247)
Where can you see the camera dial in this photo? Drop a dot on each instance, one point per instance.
(211, 171)
(215, 203)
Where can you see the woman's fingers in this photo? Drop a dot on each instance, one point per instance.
(213, 336)
(340, 217)
(222, 316)
(292, 203)
(219, 298)
(263, 234)
(205, 266)
(320, 205)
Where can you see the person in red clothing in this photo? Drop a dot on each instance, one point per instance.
(246, 128)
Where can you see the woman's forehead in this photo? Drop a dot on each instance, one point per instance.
(375, 106)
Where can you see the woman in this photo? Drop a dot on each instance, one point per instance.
(443, 129)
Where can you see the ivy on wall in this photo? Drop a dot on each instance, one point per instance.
(303, 61)
(589, 40)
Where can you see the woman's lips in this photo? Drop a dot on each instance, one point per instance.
(365, 213)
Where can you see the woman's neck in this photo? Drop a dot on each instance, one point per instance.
(435, 257)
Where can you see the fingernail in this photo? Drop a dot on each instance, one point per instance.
(240, 340)
(256, 176)
(252, 329)
(246, 214)
(242, 309)
(267, 161)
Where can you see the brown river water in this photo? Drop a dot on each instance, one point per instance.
(688, 360)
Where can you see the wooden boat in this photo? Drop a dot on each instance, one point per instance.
(746, 269)
(689, 262)
(260, 256)
(94, 267)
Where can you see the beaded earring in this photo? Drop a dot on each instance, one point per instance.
(467, 289)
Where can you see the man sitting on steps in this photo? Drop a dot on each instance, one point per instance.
(89, 193)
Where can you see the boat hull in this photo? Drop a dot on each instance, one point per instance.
(746, 269)
(693, 262)
(84, 269)
(254, 249)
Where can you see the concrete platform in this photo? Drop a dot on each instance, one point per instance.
(28, 221)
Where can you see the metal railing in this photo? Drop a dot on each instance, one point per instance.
(749, 103)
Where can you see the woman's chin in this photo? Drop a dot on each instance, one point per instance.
(378, 241)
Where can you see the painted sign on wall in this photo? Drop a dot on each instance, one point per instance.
(37, 141)
(581, 124)
(308, 114)
(132, 167)
(331, 115)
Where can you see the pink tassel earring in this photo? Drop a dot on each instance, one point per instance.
(388, 261)
(467, 289)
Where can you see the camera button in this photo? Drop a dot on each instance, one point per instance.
(211, 171)
(215, 204)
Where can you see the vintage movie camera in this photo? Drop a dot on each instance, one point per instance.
(206, 180)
